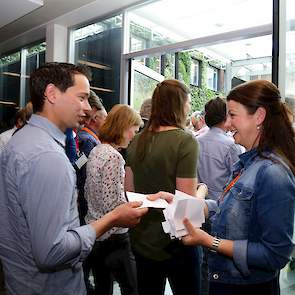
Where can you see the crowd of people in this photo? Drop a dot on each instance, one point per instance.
(54, 236)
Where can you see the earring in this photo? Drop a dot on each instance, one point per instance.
(258, 127)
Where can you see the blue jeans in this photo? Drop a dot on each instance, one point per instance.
(182, 272)
(268, 288)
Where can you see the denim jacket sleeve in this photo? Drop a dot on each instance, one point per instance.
(274, 204)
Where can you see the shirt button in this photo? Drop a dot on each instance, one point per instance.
(215, 276)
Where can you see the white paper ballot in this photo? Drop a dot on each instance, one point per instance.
(160, 203)
(183, 206)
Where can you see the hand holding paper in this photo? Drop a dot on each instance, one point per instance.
(177, 208)
(158, 203)
(183, 206)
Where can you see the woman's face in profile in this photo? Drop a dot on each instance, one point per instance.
(128, 135)
(242, 124)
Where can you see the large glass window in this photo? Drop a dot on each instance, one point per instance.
(287, 275)
(193, 19)
(212, 78)
(144, 80)
(35, 57)
(9, 88)
(99, 46)
(195, 69)
(290, 55)
(229, 47)
(14, 80)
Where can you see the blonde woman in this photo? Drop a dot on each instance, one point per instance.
(104, 190)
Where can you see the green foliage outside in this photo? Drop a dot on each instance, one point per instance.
(199, 94)
(9, 59)
(15, 57)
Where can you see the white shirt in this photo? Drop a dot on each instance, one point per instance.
(5, 136)
(104, 186)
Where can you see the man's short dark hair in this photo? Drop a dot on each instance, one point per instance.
(59, 74)
(215, 111)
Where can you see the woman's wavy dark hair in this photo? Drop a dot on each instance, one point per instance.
(277, 133)
(168, 102)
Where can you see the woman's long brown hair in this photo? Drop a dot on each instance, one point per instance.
(277, 133)
(168, 102)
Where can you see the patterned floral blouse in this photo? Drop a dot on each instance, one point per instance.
(104, 186)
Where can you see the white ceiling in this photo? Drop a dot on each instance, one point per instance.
(30, 26)
(26, 21)
(13, 9)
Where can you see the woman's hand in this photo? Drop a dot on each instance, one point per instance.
(196, 236)
(161, 195)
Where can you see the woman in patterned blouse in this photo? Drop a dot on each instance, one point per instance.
(104, 190)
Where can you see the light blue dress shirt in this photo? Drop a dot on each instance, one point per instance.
(42, 244)
(218, 153)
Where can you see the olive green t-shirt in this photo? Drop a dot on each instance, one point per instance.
(169, 154)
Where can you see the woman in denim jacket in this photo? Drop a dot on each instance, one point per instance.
(253, 219)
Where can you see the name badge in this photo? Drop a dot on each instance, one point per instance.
(81, 161)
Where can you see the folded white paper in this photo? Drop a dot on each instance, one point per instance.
(183, 206)
(159, 203)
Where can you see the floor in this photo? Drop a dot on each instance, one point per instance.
(287, 283)
(287, 280)
(167, 290)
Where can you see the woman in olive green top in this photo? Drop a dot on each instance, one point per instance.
(163, 157)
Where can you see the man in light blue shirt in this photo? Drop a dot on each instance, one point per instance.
(42, 244)
(218, 152)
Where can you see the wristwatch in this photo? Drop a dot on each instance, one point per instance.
(215, 244)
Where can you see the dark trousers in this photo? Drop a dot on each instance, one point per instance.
(182, 272)
(267, 288)
(1, 278)
(113, 259)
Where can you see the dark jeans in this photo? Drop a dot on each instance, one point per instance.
(182, 271)
(113, 259)
(267, 288)
(205, 269)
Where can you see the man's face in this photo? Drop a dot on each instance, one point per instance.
(72, 105)
(99, 118)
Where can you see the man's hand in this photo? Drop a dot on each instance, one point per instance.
(161, 195)
(125, 215)
(128, 214)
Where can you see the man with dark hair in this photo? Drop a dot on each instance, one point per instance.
(218, 151)
(42, 244)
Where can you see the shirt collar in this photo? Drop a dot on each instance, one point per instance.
(217, 130)
(246, 159)
(49, 127)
